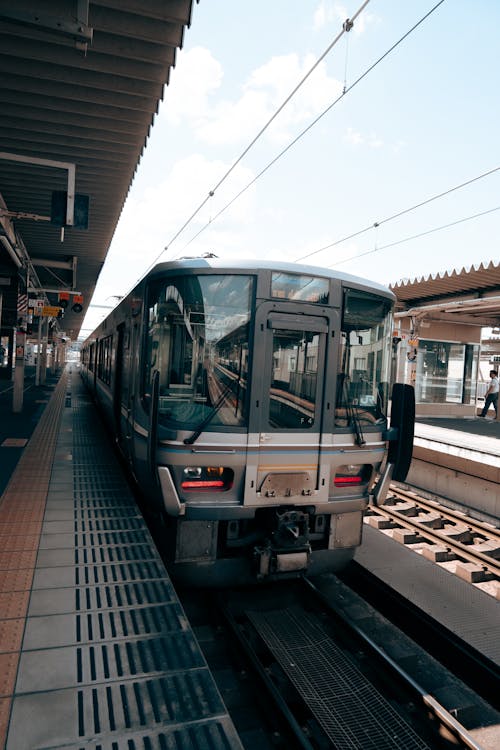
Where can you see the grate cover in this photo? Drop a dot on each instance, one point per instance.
(350, 710)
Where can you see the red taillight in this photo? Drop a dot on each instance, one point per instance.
(203, 484)
(342, 481)
(352, 475)
(207, 479)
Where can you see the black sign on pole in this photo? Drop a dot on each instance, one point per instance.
(58, 210)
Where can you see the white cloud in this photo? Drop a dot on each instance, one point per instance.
(195, 78)
(239, 120)
(279, 77)
(355, 138)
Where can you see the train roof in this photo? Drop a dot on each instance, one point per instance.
(255, 264)
(250, 265)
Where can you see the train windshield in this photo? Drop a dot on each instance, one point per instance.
(197, 341)
(363, 376)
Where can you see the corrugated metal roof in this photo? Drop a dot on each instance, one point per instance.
(80, 82)
(474, 292)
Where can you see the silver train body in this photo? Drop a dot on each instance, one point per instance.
(249, 400)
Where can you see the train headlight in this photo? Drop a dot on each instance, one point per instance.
(192, 472)
(350, 475)
(207, 478)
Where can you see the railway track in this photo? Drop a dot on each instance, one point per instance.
(327, 671)
(466, 546)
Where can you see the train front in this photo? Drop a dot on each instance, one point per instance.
(270, 393)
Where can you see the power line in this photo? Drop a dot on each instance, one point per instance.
(346, 27)
(377, 224)
(314, 122)
(416, 236)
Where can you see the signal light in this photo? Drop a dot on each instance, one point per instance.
(77, 303)
(63, 299)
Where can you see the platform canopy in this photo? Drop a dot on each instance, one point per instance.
(80, 83)
(466, 295)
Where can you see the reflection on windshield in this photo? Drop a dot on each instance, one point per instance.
(363, 374)
(198, 342)
(294, 379)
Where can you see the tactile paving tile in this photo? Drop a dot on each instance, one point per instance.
(109, 659)
(21, 511)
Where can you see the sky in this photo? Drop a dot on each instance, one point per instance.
(355, 151)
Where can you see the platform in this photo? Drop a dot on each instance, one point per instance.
(459, 459)
(17, 428)
(95, 648)
(469, 613)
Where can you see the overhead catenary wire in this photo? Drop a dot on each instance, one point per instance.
(397, 215)
(416, 236)
(346, 27)
(313, 123)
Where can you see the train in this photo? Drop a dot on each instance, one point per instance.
(253, 404)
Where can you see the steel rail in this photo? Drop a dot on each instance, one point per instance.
(462, 550)
(437, 708)
(480, 527)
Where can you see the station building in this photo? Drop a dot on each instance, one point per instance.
(441, 337)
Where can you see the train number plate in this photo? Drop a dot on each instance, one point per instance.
(287, 485)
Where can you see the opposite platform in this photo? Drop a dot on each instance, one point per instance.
(95, 648)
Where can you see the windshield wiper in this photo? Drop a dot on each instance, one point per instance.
(215, 409)
(353, 415)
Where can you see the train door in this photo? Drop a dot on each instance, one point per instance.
(288, 411)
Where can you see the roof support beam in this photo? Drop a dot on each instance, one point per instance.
(71, 169)
(74, 28)
(48, 263)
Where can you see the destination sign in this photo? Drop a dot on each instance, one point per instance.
(50, 312)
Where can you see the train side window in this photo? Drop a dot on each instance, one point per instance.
(91, 357)
(104, 354)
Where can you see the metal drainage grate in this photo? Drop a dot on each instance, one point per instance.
(350, 710)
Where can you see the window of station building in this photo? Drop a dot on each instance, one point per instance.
(446, 372)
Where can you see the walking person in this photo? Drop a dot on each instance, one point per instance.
(491, 395)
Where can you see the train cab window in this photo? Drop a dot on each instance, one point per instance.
(364, 362)
(294, 379)
(197, 341)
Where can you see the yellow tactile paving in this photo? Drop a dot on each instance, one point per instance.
(21, 513)
(14, 580)
(14, 528)
(19, 542)
(14, 604)
(4, 719)
(17, 560)
(22, 507)
(11, 634)
(8, 670)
